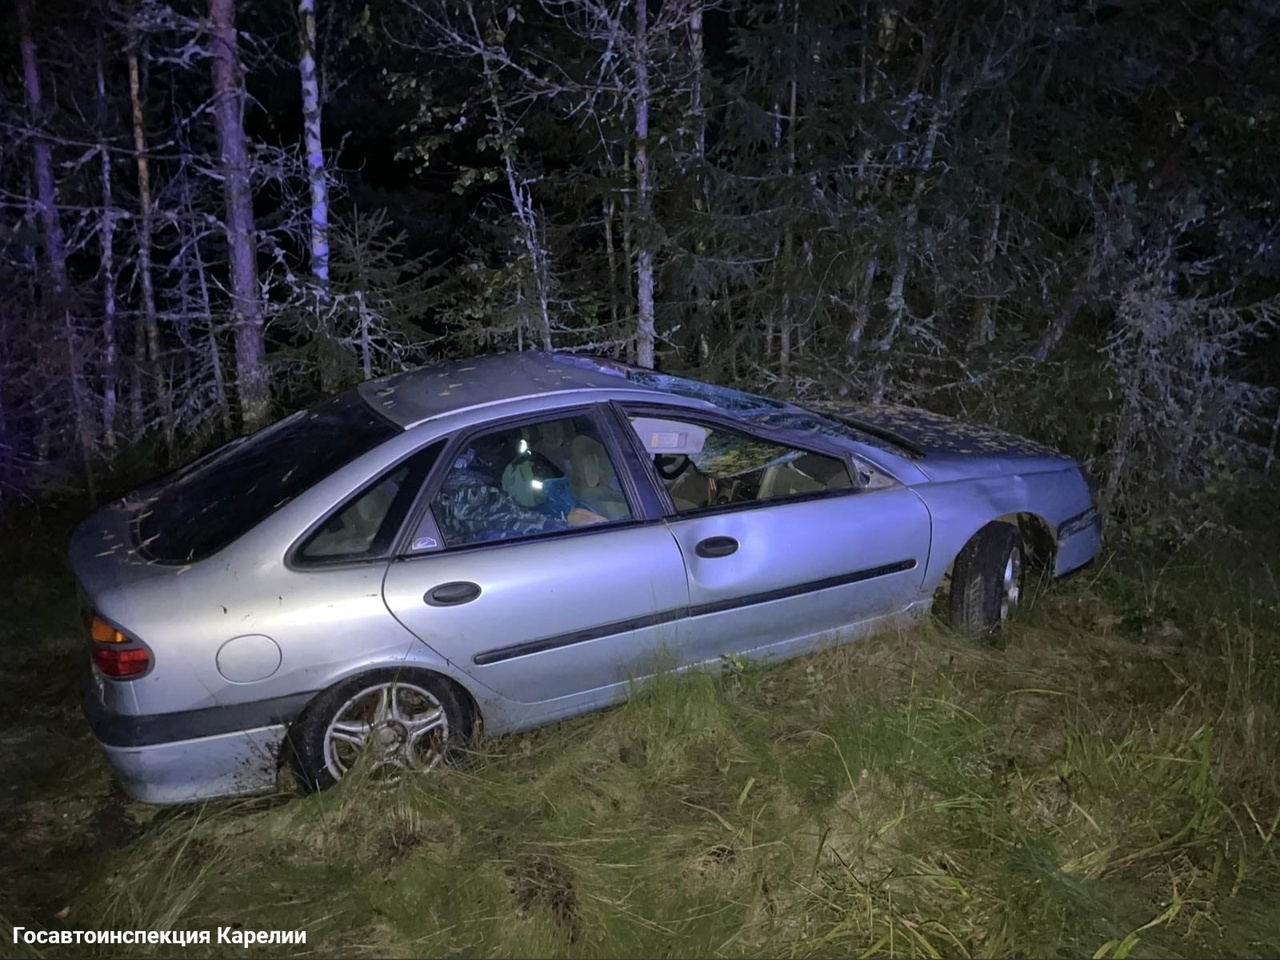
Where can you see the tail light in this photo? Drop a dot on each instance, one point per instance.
(116, 654)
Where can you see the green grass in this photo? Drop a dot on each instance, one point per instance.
(1107, 784)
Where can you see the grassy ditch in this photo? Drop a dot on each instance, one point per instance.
(1107, 784)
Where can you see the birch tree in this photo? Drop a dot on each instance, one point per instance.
(313, 144)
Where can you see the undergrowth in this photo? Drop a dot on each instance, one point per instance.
(1104, 785)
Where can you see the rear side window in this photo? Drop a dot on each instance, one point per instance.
(202, 508)
(365, 526)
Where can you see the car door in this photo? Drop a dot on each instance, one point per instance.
(779, 542)
(536, 584)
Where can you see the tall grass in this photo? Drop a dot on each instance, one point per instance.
(1105, 785)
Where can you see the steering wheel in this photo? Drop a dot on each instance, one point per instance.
(670, 466)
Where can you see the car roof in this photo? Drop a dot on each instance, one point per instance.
(431, 391)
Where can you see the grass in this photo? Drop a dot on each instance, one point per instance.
(1105, 785)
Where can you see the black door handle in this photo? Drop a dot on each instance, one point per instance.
(716, 547)
(452, 594)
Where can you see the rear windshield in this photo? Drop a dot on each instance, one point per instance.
(206, 505)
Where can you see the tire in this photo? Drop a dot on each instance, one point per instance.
(393, 721)
(987, 580)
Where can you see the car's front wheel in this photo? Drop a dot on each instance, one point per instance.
(987, 580)
(388, 721)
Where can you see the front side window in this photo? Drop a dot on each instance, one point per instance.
(703, 467)
(525, 481)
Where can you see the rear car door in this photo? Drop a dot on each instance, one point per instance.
(778, 541)
(535, 566)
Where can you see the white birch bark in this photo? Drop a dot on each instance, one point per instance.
(314, 145)
(646, 326)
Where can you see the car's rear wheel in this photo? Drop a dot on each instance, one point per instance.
(987, 580)
(386, 722)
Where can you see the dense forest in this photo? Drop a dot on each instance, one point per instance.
(1058, 216)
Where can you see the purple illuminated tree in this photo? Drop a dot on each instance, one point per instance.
(252, 381)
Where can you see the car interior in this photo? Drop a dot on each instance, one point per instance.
(703, 467)
(700, 467)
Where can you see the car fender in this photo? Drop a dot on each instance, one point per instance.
(961, 508)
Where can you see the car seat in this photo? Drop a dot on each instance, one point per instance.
(592, 480)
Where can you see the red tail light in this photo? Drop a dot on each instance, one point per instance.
(114, 653)
(121, 662)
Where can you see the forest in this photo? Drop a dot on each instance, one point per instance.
(1055, 217)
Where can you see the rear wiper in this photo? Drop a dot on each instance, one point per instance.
(910, 447)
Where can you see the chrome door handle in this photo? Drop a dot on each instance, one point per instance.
(716, 547)
(452, 594)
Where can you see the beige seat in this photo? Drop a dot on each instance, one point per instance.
(784, 480)
(689, 491)
(807, 474)
(592, 481)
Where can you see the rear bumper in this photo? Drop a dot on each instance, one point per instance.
(222, 751)
(230, 765)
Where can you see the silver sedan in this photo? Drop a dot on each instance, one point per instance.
(517, 539)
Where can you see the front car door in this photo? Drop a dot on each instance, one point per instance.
(780, 542)
(533, 566)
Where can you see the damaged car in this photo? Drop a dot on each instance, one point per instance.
(517, 539)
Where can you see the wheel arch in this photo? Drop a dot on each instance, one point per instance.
(1038, 540)
(466, 696)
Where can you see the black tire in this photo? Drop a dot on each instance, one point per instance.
(413, 696)
(980, 587)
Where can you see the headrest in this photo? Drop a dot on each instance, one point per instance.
(589, 463)
(557, 433)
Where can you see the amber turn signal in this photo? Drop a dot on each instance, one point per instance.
(103, 632)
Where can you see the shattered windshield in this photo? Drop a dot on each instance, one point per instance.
(206, 505)
(751, 406)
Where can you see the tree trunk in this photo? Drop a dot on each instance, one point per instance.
(788, 240)
(611, 255)
(701, 202)
(106, 251)
(307, 67)
(147, 338)
(55, 243)
(984, 326)
(628, 258)
(646, 326)
(896, 302)
(252, 383)
(80, 404)
(861, 310)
